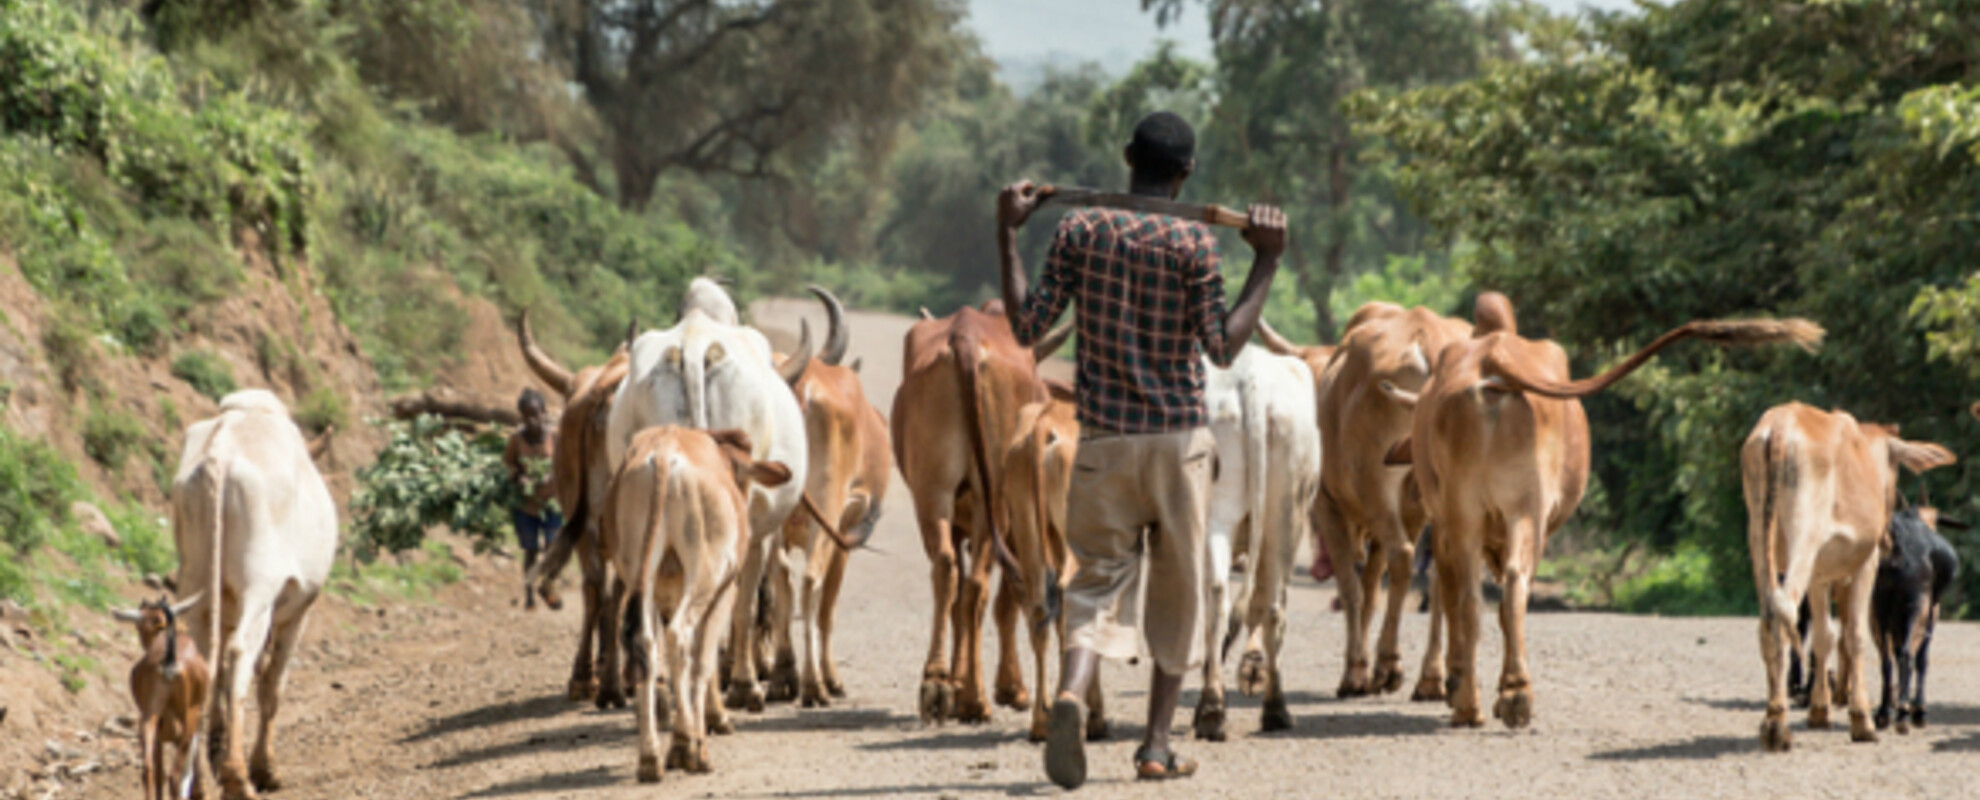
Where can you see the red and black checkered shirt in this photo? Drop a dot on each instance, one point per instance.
(1151, 302)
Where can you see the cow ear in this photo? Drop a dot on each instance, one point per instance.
(768, 473)
(1060, 391)
(1401, 453)
(733, 437)
(1919, 456)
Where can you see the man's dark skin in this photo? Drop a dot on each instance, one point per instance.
(1266, 233)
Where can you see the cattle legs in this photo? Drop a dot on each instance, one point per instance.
(1346, 548)
(1515, 705)
(238, 660)
(1457, 589)
(828, 609)
(744, 651)
(288, 631)
(937, 694)
(1856, 650)
(1401, 553)
(1010, 691)
(971, 705)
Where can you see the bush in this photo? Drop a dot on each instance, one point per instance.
(109, 436)
(206, 372)
(321, 410)
(430, 475)
(36, 487)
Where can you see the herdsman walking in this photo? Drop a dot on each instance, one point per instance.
(1150, 304)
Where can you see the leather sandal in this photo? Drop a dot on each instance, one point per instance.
(1149, 767)
(1065, 744)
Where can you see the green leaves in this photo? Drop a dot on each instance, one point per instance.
(430, 474)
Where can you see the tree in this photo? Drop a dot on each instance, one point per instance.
(1718, 158)
(1278, 134)
(746, 89)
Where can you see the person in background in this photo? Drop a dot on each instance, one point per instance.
(530, 448)
(1149, 303)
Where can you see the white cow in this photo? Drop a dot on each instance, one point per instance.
(707, 374)
(1263, 413)
(247, 498)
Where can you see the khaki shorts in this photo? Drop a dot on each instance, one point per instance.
(1123, 486)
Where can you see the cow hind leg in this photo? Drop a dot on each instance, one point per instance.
(1401, 559)
(1821, 648)
(1010, 689)
(744, 691)
(1267, 620)
(975, 601)
(646, 692)
(937, 694)
(1855, 647)
(611, 678)
(1209, 720)
(242, 655)
(784, 672)
(1515, 705)
(1924, 650)
(1881, 635)
(1457, 588)
(812, 680)
(288, 631)
(828, 611)
(1430, 684)
(1341, 544)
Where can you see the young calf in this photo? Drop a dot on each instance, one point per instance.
(1905, 609)
(675, 525)
(169, 684)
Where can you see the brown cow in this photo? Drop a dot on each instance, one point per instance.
(965, 380)
(675, 527)
(1037, 470)
(1360, 508)
(1500, 447)
(582, 475)
(850, 462)
(1820, 491)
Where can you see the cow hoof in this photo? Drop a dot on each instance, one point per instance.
(1883, 719)
(719, 724)
(1096, 728)
(1774, 737)
(1515, 708)
(1860, 729)
(743, 695)
(1209, 722)
(581, 690)
(972, 710)
(783, 688)
(1041, 727)
(264, 780)
(609, 697)
(1467, 718)
(1429, 688)
(1252, 678)
(1918, 719)
(937, 696)
(1276, 717)
(1818, 718)
(1903, 727)
(649, 768)
(835, 688)
(815, 697)
(233, 788)
(1388, 678)
(1353, 686)
(1014, 698)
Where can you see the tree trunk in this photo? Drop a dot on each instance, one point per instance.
(636, 173)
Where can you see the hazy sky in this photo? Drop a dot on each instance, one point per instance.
(1023, 34)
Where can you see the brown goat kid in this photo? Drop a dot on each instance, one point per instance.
(169, 684)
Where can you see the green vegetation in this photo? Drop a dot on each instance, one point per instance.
(1716, 158)
(110, 434)
(413, 576)
(321, 410)
(206, 372)
(431, 475)
(36, 487)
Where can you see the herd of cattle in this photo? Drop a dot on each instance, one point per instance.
(714, 486)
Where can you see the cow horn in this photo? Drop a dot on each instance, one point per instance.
(540, 362)
(793, 368)
(632, 332)
(183, 606)
(126, 614)
(1051, 341)
(856, 364)
(925, 314)
(1273, 341)
(835, 330)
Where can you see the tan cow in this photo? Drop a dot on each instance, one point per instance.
(1360, 508)
(582, 474)
(675, 528)
(1501, 450)
(1820, 490)
(965, 380)
(1037, 472)
(850, 462)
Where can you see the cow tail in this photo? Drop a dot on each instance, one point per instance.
(968, 368)
(1054, 594)
(1724, 333)
(1257, 450)
(1782, 480)
(216, 470)
(636, 611)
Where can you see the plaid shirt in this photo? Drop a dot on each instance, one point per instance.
(1149, 294)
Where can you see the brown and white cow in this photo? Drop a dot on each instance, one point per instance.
(676, 526)
(1820, 490)
(1500, 449)
(1360, 510)
(850, 462)
(1037, 472)
(965, 381)
(582, 474)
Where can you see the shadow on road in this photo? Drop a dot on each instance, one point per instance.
(1935, 713)
(578, 737)
(1367, 724)
(1969, 743)
(597, 778)
(1701, 748)
(1040, 788)
(830, 719)
(513, 711)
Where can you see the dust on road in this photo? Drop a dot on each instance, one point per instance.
(465, 700)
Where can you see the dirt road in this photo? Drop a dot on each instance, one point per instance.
(464, 699)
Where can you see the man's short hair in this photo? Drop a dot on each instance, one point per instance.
(530, 399)
(1163, 146)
